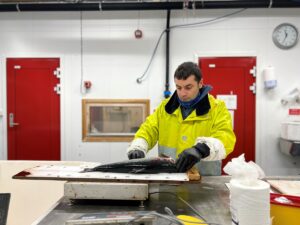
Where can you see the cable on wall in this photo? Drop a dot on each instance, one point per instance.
(140, 79)
(167, 91)
(81, 56)
(143, 76)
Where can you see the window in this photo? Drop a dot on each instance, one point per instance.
(111, 120)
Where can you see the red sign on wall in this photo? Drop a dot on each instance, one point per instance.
(294, 112)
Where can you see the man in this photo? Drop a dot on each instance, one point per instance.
(191, 125)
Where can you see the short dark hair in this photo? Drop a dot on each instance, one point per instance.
(186, 70)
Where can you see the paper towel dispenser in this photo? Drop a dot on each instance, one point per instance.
(290, 138)
(290, 130)
(288, 147)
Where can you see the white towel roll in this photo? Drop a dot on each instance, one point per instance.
(250, 203)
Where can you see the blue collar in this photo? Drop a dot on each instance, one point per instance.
(202, 93)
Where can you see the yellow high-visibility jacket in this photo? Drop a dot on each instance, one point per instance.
(210, 118)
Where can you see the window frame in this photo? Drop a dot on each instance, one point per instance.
(110, 137)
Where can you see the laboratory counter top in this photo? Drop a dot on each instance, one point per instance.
(209, 198)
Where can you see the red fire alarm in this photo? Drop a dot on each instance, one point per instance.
(138, 34)
(87, 84)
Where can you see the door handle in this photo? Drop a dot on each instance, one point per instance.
(11, 120)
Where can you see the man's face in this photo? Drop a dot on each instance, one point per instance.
(188, 89)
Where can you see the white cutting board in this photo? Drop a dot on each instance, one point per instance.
(288, 187)
(73, 173)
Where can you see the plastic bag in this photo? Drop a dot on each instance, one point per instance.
(247, 172)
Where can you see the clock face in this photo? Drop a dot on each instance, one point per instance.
(285, 36)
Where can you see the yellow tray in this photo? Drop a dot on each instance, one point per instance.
(285, 212)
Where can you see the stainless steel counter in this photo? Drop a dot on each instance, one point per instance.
(210, 198)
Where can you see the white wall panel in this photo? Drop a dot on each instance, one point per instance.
(113, 59)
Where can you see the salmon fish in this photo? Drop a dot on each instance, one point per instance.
(138, 166)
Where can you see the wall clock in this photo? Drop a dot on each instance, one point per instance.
(285, 36)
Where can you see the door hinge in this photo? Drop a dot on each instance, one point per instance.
(57, 72)
(253, 71)
(253, 88)
(57, 89)
(17, 67)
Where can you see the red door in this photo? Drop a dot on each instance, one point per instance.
(235, 76)
(33, 109)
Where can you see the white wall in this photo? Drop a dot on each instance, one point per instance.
(114, 59)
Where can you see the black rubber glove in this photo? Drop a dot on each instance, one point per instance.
(189, 157)
(136, 154)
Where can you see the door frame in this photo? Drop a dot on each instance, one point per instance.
(3, 95)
